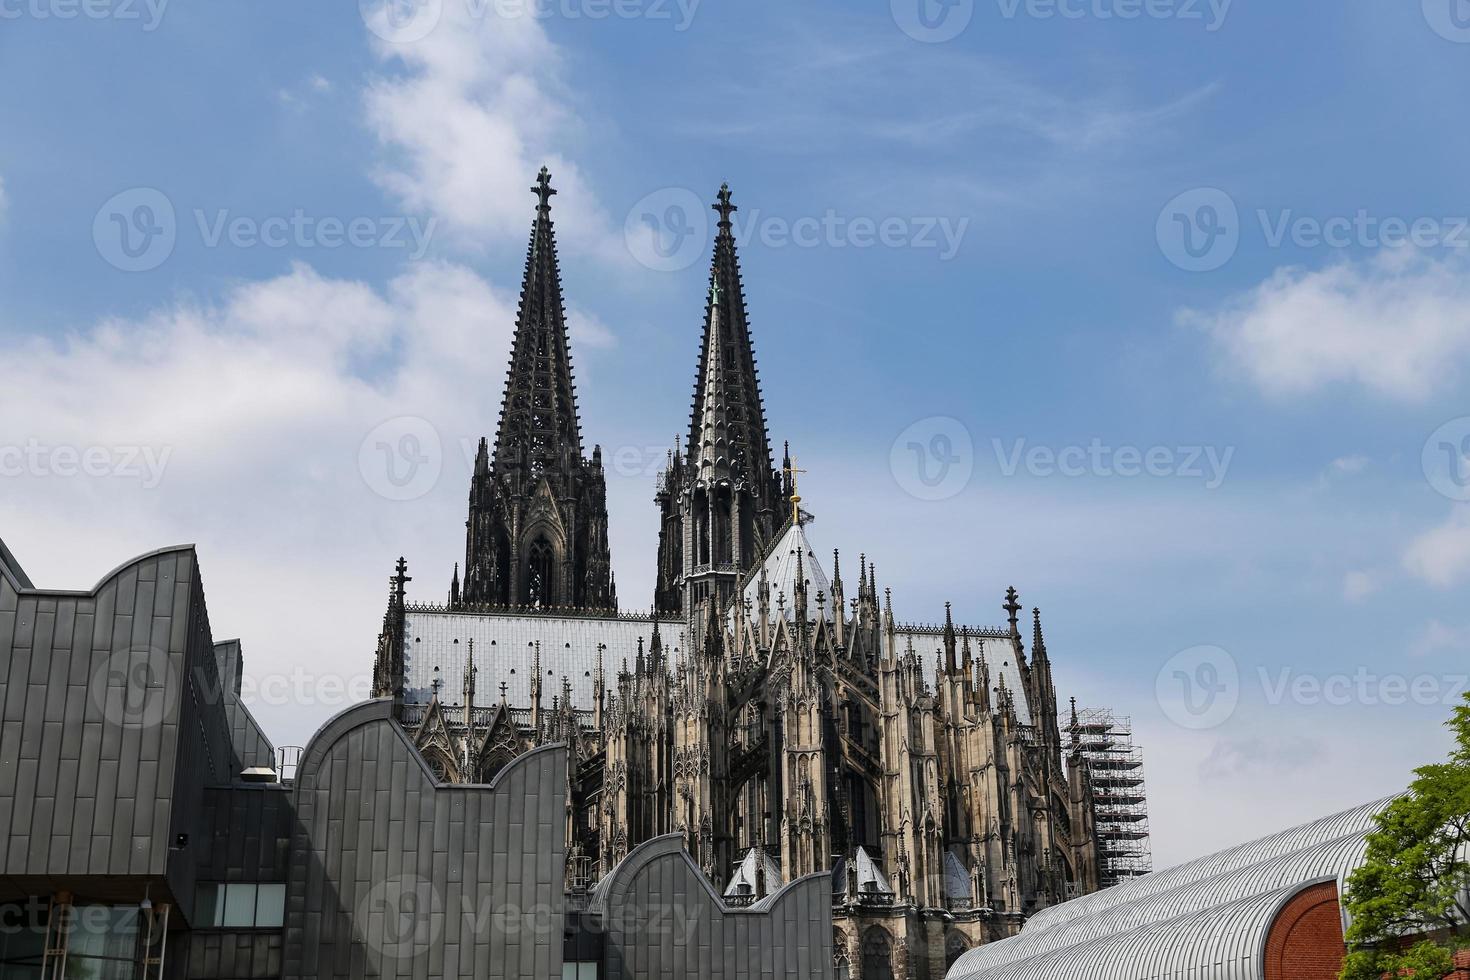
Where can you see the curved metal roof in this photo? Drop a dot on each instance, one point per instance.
(1209, 917)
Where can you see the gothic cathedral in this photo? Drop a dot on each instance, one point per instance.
(780, 721)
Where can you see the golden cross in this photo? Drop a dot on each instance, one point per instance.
(791, 472)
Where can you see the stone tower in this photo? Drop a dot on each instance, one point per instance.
(537, 529)
(720, 498)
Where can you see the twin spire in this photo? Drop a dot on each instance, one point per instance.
(539, 425)
(727, 432)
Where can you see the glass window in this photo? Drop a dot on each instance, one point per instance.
(270, 906)
(22, 939)
(239, 906)
(207, 908)
(586, 971)
(104, 943)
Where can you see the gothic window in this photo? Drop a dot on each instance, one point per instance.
(840, 955)
(501, 573)
(954, 947)
(540, 581)
(877, 954)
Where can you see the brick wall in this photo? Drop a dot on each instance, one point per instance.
(1305, 942)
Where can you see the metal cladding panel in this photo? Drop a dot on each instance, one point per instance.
(249, 744)
(395, 875)
(1330, 859)
(108, 733)
(437, 644)
(1211, 916)
(664, 921)
(1358, 820)
(1225, 942)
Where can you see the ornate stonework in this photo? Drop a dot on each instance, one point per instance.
(786, 724)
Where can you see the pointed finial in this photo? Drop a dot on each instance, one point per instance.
(725, 207)
(1013, 609)
(791, 471)
(543, 190)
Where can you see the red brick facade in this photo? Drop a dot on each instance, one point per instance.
(1306, 940)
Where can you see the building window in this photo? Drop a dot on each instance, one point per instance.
(22, 939)
(241, 906)
(579, 971)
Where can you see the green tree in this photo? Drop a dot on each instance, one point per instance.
(1408, 901)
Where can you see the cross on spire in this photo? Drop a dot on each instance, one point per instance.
(791, 472)
(543, 189)
(726, 205)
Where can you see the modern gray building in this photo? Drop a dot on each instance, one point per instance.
(146, 832)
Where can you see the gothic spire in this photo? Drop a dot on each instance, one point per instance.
(949, 639)
(539, 428)
(727, 356)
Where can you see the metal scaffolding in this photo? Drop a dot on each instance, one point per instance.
(1115, 765)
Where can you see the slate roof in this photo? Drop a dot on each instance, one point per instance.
(437, 645)
(780, 567)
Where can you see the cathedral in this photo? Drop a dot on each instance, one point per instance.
(774, 714)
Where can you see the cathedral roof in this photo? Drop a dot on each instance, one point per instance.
(996, 645)
(871, 880)
(747, 882)
(956, 879)
(780, 568)
(437, 648)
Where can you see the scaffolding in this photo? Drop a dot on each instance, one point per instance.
(1115, 764)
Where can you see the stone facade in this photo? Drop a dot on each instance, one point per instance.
(779, 722)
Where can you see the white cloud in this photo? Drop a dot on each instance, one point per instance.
(1348, 465)
(259, 405)
(468, 115)
(1239, 756)
(1441, 555)
(1437, 637)
(1357, 586)
(1397, 324)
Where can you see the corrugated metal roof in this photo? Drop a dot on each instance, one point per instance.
(1206, 918)
(437, 645)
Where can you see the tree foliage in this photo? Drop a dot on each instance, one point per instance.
(1408, 902)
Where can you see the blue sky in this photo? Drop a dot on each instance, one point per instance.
(1065, 150)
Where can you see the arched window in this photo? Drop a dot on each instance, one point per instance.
(955, 946)
(877, 954)
(540, 574)
(840, 955)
